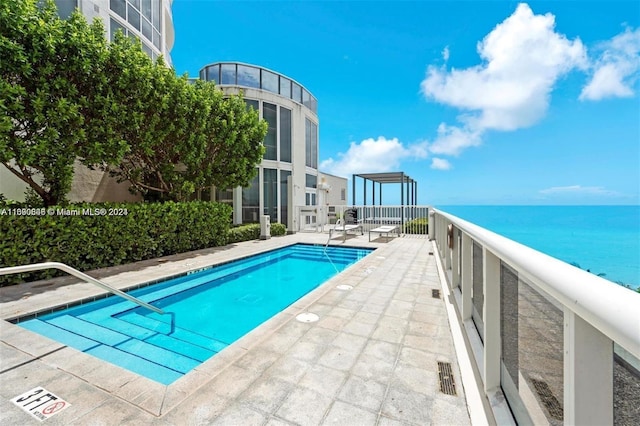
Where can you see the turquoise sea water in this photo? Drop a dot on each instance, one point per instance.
(602, 239)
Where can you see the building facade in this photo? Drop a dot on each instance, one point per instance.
(288, 175)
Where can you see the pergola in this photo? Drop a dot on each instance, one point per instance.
(390, 177)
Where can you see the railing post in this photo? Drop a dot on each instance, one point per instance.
(588, 373)
(467, 304)
(447, 249)
(455, 262)
(491, 315)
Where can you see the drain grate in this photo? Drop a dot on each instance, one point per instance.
(447, 385)
(435, 293)
(549, 400)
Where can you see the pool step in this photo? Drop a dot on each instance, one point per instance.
(60, 334)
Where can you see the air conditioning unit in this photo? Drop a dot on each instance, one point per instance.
(265, 227)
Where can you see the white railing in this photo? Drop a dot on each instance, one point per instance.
(523, 311)
(409, 219)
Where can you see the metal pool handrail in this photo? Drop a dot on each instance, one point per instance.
(71, 271)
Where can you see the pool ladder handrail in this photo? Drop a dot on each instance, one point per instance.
(71, 271)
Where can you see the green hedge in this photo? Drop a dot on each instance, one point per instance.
(417, 226)
(252, 232)
(86, 242)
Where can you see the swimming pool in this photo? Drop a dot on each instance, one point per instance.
(206, 310)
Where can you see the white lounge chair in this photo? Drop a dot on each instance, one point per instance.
(344, 228)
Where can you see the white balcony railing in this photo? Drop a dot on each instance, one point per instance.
(561, 344)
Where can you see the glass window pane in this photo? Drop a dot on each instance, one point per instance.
(296, 92)
(270, 196)
(311, 181)
(157, 40)
(285, 135)
(248, 76)
(305, 98)
(251, 103)
(147, 50)
(146, 9)
(213, 73)
(119, 7)
(285, 87)
(251, 201)
(134, 17)
(147, 31)
(269, 81)
(114, 26)
(155, 18)
(478, 289)
(269, 113)
(228, 74)
(284, 200)
(135, 3)
(66, 8)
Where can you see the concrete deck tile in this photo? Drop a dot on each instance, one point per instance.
(332, 323)
(304, 406)
(239, 415)
(288, 369)
(306, 351)
(319, 335)
(346, 414)
(359, 328)
(338, 358)
(422, 380)
(405, 405)
(370, 367)
(201, 409)
(349, 342)
(233, 381)
(365, 393)
(324, 380)
(274, 421)
(382, 350)
(266, 394)
(258, 359)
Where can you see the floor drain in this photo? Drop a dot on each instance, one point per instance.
(307, 317)
(435, 293)
(447, 385)
(344, 287)
(549, 400)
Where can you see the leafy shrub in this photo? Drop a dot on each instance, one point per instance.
(278, 229)
(417, 226)
(244, 233)
(92, 239)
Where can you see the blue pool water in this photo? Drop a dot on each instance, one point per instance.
(601, 239)
(206, 311)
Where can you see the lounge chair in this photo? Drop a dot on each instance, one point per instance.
(344, 228)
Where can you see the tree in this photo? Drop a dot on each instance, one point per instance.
(183, 136)
(54, 95)
(234, 134)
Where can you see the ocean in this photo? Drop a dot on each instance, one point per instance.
(602, 239)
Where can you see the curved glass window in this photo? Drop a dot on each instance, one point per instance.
(134, 17)
(248, 76)
(285, 87)
(306, 98)
(285, 135)
(296, 92)
(213, 73)
(270, 115)
(269, 81)
(147, 31)
(146, 9)
(119, 7)
(228, 74)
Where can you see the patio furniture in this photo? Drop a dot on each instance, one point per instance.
(386, 229)
(344, 228)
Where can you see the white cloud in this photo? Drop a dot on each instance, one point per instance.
(452, 140)
(616, 69)
(577, 189)
(445, 53)
(371, 156)
(440, 164)
(523, 58)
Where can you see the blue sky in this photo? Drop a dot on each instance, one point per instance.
(481, 102)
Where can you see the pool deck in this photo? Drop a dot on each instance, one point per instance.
(371, 359)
